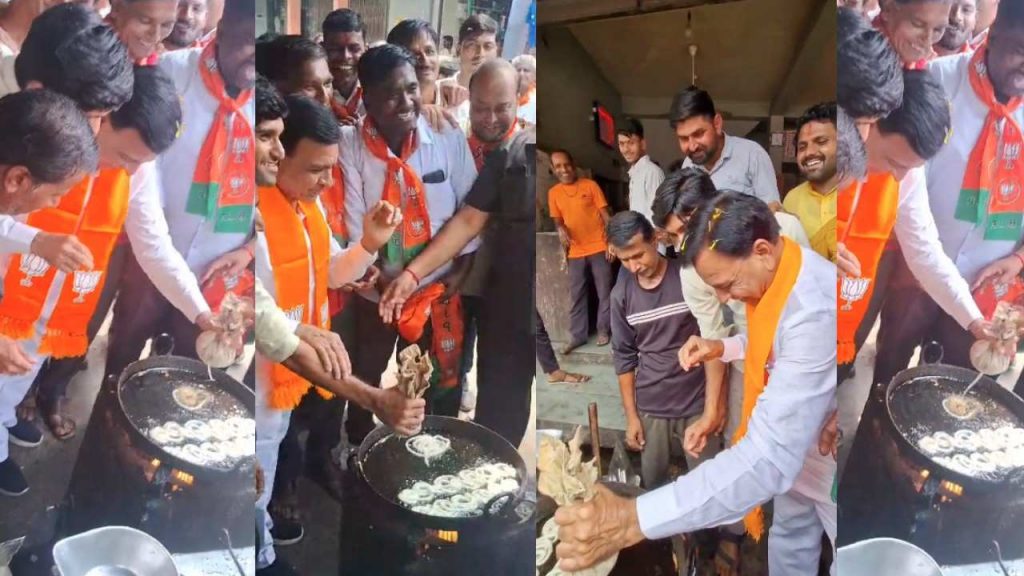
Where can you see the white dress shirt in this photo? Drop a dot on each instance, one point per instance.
(919, 239)
(780, 450)
(192, 235)
(147, 231)
(744, 167)
(644, 178)
(962, 241)
(438, 153)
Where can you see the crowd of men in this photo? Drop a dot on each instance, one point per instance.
(719, 277)
(385, 191)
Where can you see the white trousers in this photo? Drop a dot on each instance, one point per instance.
(271, 427)
(14, 388)
(801, 515)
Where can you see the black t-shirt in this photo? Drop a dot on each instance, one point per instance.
(505, 190)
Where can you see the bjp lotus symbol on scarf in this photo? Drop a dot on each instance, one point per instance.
(852, 290)
(235, 184)
(1008, 191)
(417, 227)
(85, 283)
(32, 266)
(294, 314)
(448, 344)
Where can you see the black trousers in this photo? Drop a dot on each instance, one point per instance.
(545, 353)
(506, 367)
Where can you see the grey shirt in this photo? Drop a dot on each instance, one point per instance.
(744, 167)
(649, 326)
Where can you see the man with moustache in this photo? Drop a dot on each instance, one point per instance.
(209, 207)
(976, 210)
(734, 163)
(189, 26)
(396, 156)
(963, 16)
(345, 41)
(814, 201)
(644, 175)
(501, 207)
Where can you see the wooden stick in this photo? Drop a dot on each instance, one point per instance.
(595, 436)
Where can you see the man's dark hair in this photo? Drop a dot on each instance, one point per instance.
(286, 55)
(270, 104)
(449, 38)
(1009, 15)
(729, 223)
(869, 79)
(377, 63)
(406, 31)
(823, 112)
(681, 192)
(307, 118)
(923, 118)
(475, 26)
(563, 152)
(343, 20)
(851, 156)
(154, 109)
(631, 127)
(691, 103)
(69, 50)
(48, 134)
(625, 225)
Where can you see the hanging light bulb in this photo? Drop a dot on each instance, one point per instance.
(693, 64)
(689, 25)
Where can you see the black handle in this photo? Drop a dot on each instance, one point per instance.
(162, 345)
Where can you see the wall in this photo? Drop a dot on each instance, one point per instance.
(399, 10)
(568, 82)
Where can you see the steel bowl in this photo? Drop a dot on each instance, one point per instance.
(885, 556)
(113, 551)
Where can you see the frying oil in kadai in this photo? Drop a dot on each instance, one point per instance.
(966, 433)
(455, 478)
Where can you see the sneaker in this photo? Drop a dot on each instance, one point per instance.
(278, 568)
(12, 481)
(468, 400)
(25, 434)
(287, 532)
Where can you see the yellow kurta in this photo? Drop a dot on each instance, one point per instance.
(817, 214)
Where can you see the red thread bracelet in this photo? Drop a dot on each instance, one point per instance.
(413, 274)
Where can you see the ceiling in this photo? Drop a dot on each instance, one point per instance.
(755, 57)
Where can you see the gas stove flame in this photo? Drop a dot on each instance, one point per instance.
(952, 488)
(183, 478)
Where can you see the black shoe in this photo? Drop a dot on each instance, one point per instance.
(25, 434)
(286, 533)
(12, 481)
(278, 568)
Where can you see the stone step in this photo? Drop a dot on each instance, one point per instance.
(588, 354)
(564, 406)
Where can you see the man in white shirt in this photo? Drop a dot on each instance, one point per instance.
(733, 241)
(215, 85)
(644, 175)
(310, 142)
(526, 67)
(189, 26)
(395, 149)
(734, 163)
(968, 243)
(477, 43)
(963, 15)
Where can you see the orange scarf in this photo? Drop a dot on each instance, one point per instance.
(481, 149)
(333, 200)
(94, 211)
(350, 109)
(865, 217)
(447, 331)
(290, 259)
(525, 98)
(991, 193)
(224, 186)
(404, 189)
(762, 323)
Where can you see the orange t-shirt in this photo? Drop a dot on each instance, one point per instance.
(579, 206)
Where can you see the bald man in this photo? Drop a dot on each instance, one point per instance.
(526, 69)
(504, 196)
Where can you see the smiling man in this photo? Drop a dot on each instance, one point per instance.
(814, 201)
(143, 25)
(297, 65)
(963, 15)
(644, 175)
(733, 243)
(734, 163)
(913, 27)
(189, 25)
(396, 156)
(345, 41)
(271, 111)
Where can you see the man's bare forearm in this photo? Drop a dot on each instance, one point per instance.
(306, 363)
(716, 395)
(459, 231)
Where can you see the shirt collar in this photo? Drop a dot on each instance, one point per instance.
(726, 151)
(636, 167)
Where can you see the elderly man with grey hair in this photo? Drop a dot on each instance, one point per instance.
(526, 68)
